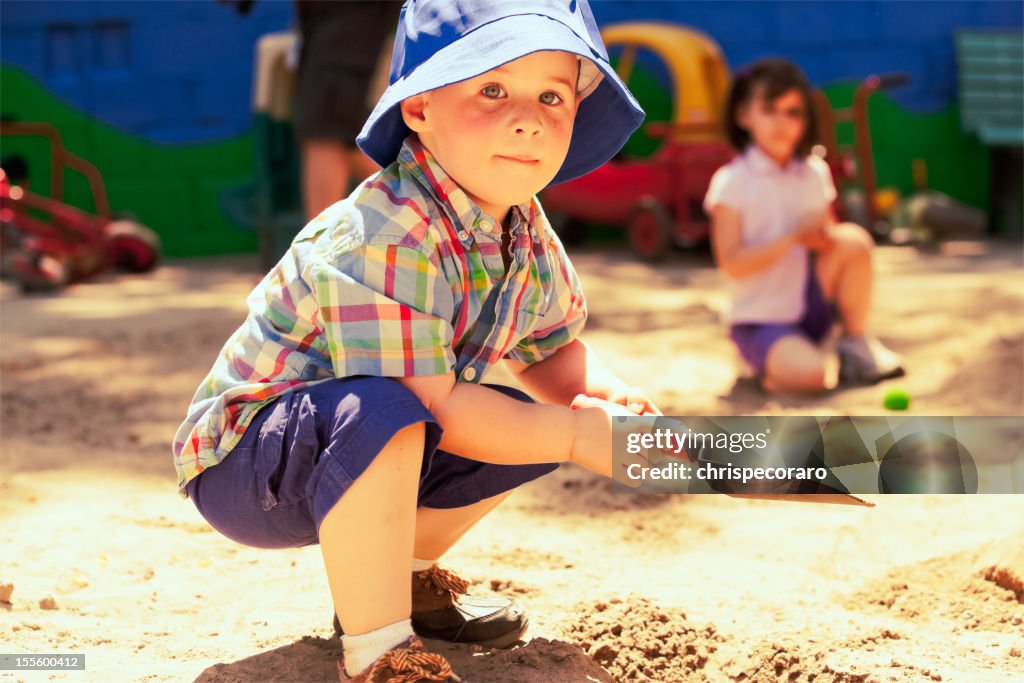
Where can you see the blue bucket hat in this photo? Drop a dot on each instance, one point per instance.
(440, 42)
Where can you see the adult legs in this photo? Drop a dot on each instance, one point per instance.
(328, 166)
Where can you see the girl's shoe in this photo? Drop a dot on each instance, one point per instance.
(866, 360)
(407, 662)
(442, 610)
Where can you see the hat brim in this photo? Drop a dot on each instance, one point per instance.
(606, 117)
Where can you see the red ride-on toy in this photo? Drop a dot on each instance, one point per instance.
(659, 198)
(46, 244)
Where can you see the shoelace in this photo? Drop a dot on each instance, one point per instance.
(412, 663)
(445, 579)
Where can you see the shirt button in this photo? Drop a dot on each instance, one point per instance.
(463, 235)
(469, 374)
(487, 226)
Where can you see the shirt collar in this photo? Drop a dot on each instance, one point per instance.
(762, 163)
(423, 166)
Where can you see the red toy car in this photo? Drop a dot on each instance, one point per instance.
(46, 244)
(658, 198)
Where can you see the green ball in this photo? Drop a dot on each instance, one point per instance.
(896, 399)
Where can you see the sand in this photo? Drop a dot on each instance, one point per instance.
(101, 556)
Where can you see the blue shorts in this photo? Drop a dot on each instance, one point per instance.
(301, 453)
(754, 340)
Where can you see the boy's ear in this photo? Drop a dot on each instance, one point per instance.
(414, 112)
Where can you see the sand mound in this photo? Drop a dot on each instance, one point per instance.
(860, 660)
(771, 661)
(638, 641)
(791, 661)
(979, 589)
(1003, 565)
(309, 659)
(315, 659)
(539, 661)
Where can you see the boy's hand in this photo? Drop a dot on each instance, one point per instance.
(592, 447)
(635, 400)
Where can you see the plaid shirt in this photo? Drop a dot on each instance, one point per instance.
(403, 278)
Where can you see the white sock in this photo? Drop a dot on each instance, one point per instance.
(363, 650)
(420, 565)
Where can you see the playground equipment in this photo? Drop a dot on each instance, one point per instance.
(856, 164)
(46, 244)
(659, 198)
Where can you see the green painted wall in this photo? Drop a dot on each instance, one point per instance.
(173, 189)
(176, 189)
(957, 163)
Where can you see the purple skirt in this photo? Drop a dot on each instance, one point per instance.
(754, 340)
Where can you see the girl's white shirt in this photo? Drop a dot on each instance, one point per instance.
(770, 200)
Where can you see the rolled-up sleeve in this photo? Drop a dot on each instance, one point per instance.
(724, 189)
(565, 316)
(385, 310)
(823, 174)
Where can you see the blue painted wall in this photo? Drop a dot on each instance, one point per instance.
(168, 71)
(182, 71)
(834, 41)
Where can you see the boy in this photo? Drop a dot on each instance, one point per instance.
(335, 413)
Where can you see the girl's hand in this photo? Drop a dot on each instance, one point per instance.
(635, 400)
(813, 231)
(819, 240)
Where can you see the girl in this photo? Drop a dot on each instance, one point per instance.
(793, 270)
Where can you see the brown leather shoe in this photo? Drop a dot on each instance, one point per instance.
(442, 610)
(407, 662)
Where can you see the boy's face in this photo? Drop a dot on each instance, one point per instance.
(503, 135)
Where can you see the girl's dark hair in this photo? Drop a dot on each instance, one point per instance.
(775, 76)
